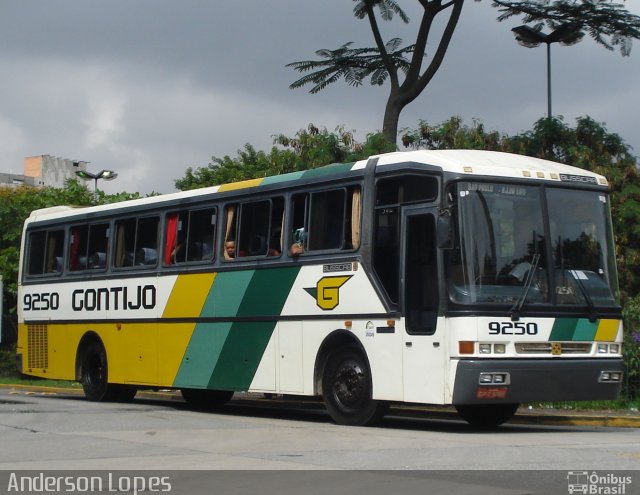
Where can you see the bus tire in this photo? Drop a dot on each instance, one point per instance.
(94, 374)
(206, 399)
(487, 415)
(347, 389)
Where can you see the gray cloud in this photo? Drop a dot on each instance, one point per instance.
(150, 87)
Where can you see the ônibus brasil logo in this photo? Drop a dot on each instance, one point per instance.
(598, 484)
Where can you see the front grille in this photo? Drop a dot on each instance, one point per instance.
(546, 348)
(38, 346)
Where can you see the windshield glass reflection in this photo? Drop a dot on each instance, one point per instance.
(501, 231)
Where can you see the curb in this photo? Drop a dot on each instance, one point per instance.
(523, 416)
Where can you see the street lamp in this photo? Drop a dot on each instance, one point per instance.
(565, 34)
(103, 174)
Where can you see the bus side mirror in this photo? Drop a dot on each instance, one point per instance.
(444, 236)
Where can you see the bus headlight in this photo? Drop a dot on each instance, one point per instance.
(604, 348)
(485, 348)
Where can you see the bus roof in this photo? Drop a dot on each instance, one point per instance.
(486, 163)
(462, 162)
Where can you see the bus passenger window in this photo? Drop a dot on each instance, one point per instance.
(190, 236)
(254, 229)
(326, 220)
(136, 242)
(88, 247)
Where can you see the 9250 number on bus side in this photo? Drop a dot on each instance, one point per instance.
(44, 301)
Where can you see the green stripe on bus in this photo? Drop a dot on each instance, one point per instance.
(202, 354)
(335, 168)
(227, 293)
(585, 329)
(241, 355)
(573, 329)
(563, 329)
(277, 179)
(268, 291)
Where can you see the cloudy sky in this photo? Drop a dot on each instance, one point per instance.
(149, 87)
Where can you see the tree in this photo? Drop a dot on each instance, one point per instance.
(609, 24)
(309, 148)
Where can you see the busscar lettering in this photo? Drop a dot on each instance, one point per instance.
(114, 298)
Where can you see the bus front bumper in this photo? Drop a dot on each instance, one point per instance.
(509, 381)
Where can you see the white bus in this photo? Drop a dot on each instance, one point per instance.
(468, 278)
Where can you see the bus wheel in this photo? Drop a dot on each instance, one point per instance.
(206, 399)
(94, 374)
(487, 415)
(347, 389)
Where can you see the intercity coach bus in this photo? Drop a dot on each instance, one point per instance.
(468, 278)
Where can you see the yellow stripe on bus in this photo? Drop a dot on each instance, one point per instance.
(188, 295)
(607, 330)
(240, 185)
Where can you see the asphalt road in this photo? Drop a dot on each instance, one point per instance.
(58, 431)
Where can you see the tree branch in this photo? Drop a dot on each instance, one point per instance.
(414, 90)
(386, 59)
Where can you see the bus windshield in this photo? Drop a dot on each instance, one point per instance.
(529, 246)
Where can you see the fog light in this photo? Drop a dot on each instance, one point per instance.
(498, 378)
(499, 348)
(486, 378)
(485, 348)
(605, 376)
(616, 376)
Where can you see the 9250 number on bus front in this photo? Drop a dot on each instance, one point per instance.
(512, 328)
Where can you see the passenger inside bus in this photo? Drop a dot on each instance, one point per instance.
(230, 250)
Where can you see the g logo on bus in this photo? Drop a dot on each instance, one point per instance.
(556, 349)
(327, 291)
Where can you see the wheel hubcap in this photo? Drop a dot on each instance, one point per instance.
(350, 384)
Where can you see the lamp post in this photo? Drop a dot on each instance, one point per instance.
(103, 174)
(565, 34)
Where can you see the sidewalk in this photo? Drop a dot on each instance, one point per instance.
(524, 416)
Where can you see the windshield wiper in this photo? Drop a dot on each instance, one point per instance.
(585, 293)
(517, 306)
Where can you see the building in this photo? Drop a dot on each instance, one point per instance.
(43, 171)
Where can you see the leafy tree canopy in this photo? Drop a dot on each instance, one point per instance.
(309, 148)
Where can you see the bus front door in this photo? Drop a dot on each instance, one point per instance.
(423, 339)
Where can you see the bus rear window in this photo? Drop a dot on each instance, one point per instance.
(46, 251)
